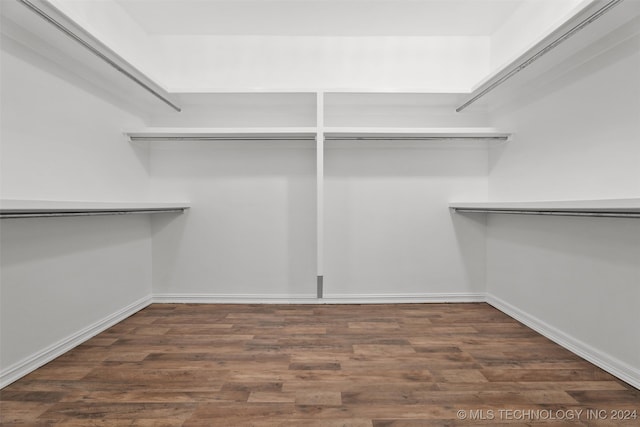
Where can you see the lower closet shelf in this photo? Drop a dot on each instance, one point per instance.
(59, 208)
(612, 208)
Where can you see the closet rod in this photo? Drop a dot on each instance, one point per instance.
(541, 52)
(87, 213)
(415, 138)
(222, 138)
(553, 213)
(101, 51)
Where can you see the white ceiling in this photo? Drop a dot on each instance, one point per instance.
(321, 17)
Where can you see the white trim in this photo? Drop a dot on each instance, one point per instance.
(194, 298)
(438, 297)
(320, 197)
(33, 362)
(311, 298)
(612, 365)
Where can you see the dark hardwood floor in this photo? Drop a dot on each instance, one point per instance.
(319, 365)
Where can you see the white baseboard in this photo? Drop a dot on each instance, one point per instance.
(33, 362)
(311, 299)
(616, 367)
(193, 298)
(403, 298)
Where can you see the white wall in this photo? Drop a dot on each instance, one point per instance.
(388, 232)
(201, 62)
(251, 231)
(576, 278)
(62, 275)
(60, 142)
(438, 64)
(241, 110)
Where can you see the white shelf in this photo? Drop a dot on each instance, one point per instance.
(596, 27)
(616, 208)
(413, 134)
(309, 133)
(48, 208)
(223, 134)
(43, 28)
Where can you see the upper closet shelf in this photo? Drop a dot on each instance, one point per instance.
(51, 208)
(224, 134)
(596, 27)
(42, 27)
(414, 134)
(615, 208)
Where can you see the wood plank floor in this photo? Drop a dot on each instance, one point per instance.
(319, 365)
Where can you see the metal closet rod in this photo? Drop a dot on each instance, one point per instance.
(29, 4)
(86, 213)
(221, 138)
(416, 138)
(313, 138)
(552, 213)
(546, 49)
